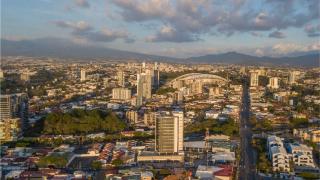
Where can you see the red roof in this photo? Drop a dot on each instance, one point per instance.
(226, 171)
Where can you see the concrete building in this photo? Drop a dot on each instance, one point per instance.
(273, 83)
(292, 77)
(121, 78)
(13, 115)
(25, 76)
(310, 134)
(156, 77)
(83, 75)
(254, 79)
(277, 154)
(219, 143)
(169, 132)
(121, 93)
(301, 154)
(149, 118)
(214, 91)
(144, 88)
(132, 116)
(196, 87)
(10, 129)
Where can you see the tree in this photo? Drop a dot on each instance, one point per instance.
(59, 161)
(82, 122)
(96, 165)
(117, 162)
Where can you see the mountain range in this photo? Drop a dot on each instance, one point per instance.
(56, 47)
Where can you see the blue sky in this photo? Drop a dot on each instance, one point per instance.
(179, 28)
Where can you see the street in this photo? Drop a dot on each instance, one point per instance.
(247, 164)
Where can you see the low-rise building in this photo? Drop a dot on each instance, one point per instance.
(301, 154)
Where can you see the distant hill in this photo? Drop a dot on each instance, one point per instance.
(55, 47)
(308, 60)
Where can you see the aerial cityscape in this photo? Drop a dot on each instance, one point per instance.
(160, 89)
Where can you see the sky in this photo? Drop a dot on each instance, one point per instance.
(177, 28)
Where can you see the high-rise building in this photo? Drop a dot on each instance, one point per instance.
(121, 93)
(254, 79)
(156, 77)
(273, 83)
(169, 132)
(121, 78)
(13, 114)
(83, 75)
(292, 77)
(143, 88)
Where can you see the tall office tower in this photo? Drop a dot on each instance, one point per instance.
(292, 77)
(156, 77)
(254, 79)
(121, 93)
(273, 83)
(143, 88)
(83, 75)
(121, 78)
(14, 109)
(169, 133)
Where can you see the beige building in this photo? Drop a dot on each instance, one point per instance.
(254, 79)
(149, 118)
(312, 135)
(121, 78)
(83, 75)
(121, 93)
(132, 116)
(169, 132)
(10, 129)
(273, 83)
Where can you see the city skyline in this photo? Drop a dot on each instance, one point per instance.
(172, 28)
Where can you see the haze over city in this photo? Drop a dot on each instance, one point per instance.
(160, 89)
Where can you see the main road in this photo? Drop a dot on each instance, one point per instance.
(247, 164)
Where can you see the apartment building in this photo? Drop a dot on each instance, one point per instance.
(278, 154)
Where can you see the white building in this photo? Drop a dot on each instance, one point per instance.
(121, 93)
(82, 75)
(277, 154)
(254, 79)
(301, 155)
(273, 83)
(292, 77)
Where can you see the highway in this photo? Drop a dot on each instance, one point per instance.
(247, 164)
